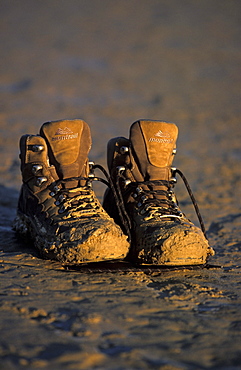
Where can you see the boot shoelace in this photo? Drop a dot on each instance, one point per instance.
(153, 202)
(79, 201)
(84, 200)
(148, 203)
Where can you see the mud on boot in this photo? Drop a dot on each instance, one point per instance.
(143, 202)
(57, 206)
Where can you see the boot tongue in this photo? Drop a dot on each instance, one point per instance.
(152, 147)
(69, 142)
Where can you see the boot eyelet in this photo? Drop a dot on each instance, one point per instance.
(37, 148)
(127, 182)
(41, 180)
(144, 198)
(55, 190)
(36, 168)
(139, 190)
(120, 169)
(124, 150)
(173, 180)
(60, 200)
(62, 210)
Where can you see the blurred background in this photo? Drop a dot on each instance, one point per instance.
(113, 62)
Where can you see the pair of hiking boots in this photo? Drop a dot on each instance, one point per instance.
(140, 219)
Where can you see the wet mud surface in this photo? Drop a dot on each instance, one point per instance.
(111, 63)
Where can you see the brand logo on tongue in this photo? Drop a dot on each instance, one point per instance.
(162, 134)
(64, 134)
(161, 137)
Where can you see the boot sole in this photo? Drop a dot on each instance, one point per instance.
(177, 246)
(103, 244)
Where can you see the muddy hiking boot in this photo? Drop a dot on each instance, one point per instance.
(143, 201)
(57, 206)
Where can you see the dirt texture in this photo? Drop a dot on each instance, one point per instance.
(112, 63)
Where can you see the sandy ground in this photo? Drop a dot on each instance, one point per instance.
(111, 63)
